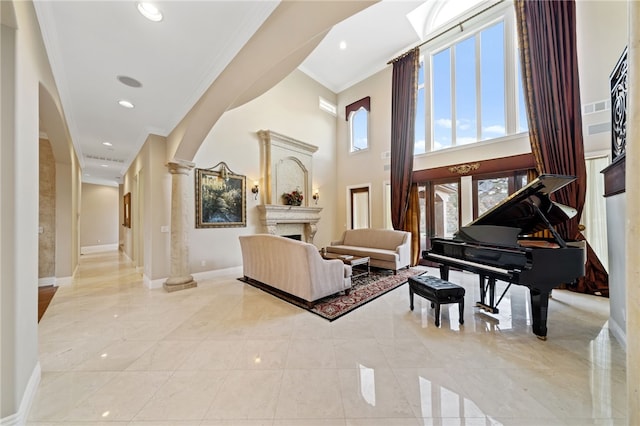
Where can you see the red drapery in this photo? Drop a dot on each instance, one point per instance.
(547, 36)
(403, 111)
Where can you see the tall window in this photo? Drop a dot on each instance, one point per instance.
(359, 130)
(419, 147)
(473, 86)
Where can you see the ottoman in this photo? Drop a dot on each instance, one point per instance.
(438, 292)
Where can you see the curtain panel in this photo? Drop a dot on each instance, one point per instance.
(403, 111)
(547, 37)
(412, 223)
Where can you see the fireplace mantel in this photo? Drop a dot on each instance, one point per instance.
(286, 165)
(274, 216)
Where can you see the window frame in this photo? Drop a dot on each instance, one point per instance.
(352, 110)
(503, 13)
(514, 184)
(430, 216)
(352, 147)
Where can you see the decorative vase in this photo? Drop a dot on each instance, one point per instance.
(293, 198)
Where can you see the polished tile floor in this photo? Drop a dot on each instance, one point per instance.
(224, 353)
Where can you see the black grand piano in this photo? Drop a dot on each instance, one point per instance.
(498, 246)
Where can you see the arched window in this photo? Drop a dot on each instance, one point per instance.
(357, 115)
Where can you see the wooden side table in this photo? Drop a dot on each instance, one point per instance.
(361, 261)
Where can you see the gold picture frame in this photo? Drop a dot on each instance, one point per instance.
(220, 199)
(127, 210)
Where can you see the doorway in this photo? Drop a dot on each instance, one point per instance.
(359, 206)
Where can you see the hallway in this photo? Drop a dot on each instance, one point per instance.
(224, 353)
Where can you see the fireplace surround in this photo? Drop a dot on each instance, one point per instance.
(286, 164)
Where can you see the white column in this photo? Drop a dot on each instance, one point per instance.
(179, 277)
(632, 215)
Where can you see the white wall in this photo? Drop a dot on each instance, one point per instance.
(19, 210)
(290, 108)
(366, 167)
(99, 211)
(149, 182)
(602, 33)
(25, 79)
(616, 229)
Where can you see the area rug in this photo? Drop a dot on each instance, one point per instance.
(364, 289)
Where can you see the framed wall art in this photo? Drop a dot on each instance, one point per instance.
(220, 198)
(127, 210)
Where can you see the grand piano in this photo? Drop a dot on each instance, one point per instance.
(498, 246)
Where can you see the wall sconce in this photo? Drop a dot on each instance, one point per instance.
(223, 174)
(255, 190)
(316, 196)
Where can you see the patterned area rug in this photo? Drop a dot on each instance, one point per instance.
(363, 290)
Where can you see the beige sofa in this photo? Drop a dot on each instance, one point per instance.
(293, 267)
(386, 248)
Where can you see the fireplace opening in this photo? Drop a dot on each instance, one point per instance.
(294, 237)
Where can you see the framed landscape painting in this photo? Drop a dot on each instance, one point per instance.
(220, 200)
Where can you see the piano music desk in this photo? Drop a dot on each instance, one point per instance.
(438, 292)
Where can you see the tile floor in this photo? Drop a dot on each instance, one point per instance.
(225, 353)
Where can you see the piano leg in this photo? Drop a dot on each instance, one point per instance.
(444, 272)
(483, 289)
(539, 307)
(487, 283)
(492, 291)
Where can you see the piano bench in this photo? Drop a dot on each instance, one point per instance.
(438, 292)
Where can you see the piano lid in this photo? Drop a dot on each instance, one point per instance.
(519, 209)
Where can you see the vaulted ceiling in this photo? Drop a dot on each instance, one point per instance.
(102, 52)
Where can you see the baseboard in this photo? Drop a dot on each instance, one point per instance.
(234, 272)
(152, 284)
(618, 333)
(46, 281)
(98, 248)
(64, 281)
(20, 418)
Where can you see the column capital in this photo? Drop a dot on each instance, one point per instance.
(177, 166)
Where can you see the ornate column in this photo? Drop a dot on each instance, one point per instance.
(179, 277)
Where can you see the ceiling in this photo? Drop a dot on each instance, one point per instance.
(91, 44)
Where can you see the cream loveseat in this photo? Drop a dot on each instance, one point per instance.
(293, 267)
(386, 248)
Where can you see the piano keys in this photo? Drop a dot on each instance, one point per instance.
(498, 246)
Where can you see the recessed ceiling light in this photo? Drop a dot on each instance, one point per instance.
(129, 81)
(104, 165)
(343, 45)
(149, 11)
(125, 103)
(107, 144)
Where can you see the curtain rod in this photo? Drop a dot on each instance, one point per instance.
(459, 24)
